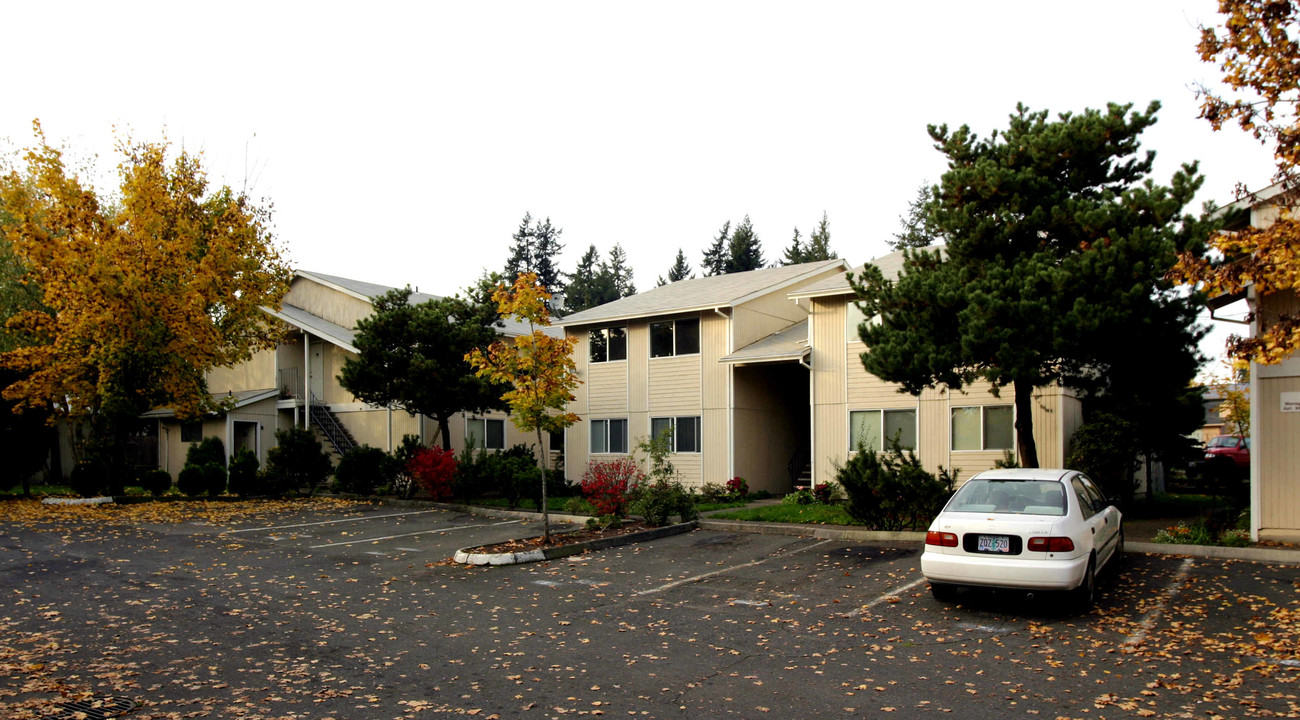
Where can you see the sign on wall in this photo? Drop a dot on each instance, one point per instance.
(1291, 402)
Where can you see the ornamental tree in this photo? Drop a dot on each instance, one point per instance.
(1258, 51)
(144, 289)
(412, 357)
(1054, 272)
(538, 368)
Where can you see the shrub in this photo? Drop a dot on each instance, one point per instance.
(577, 506)
(824, 493)
(737, 488)
(191, 481)
(712, 493)
(1105, 449)
(890, 490)
(243, 473)
(802, 496)
(207, 450)
(89, 478)
(1235, 538)
(432, 469)
(518, 475)
(473, 477)
(214, 478)
(297, 459)
(156, 481)
(1195, 533)
(363, 469)
(657, 501)
(403, 484)
(606, 484)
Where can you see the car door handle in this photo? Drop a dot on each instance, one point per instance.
(1094, 530)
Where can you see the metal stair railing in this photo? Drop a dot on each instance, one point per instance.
(328, 424)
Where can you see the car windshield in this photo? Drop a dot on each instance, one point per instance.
(1224, 441)
(1022, 497)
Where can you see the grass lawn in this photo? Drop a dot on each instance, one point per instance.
(814, 514)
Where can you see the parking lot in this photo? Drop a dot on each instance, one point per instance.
(355, 613)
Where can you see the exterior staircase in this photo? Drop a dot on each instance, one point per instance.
(800, 475)
(336, 438)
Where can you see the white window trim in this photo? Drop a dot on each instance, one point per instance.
(485, 421)
(672, 420)
(982, 408)
(606, 330)
(916, 419)
(626, 440)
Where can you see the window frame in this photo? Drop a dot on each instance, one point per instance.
(607, 334)
(606, 423)
(916, 428)
(487, 437)
(674, 334)
(983, 436)
(192, 431)
(697, 437)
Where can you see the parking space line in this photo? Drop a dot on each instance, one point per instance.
(1149, 620)
(697, 578)
(422, 532)
(331, 522)
(883, 597)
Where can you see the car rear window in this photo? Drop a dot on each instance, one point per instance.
(1021, 497)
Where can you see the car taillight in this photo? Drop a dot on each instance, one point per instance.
(1051, 544)
(943, 539)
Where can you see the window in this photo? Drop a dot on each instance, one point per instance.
(486, 434)
(983, 428)
(557, 441)
(192, 431)
(873, 429)
(675, 337)
(855, 317)
(608, 344)
(609, 436)
(685, 432)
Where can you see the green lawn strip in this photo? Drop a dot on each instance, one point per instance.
(811, 514)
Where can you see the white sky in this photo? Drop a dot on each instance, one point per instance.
(403, 142)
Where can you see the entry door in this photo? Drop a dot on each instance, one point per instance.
(317, 371)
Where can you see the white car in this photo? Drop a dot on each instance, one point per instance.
(1029, 529)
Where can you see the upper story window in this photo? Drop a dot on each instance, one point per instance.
(607, 344)
(991, 427)
(854, 318)
(675, 337)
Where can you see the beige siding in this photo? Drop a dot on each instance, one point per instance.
(829, 389)
(328, 303)
(607, 389)
(638, 358)
(715, 393)
(715, 460)
(577, 441)
(690, 468)
(1275, 448)
(759, 318)
(257, 373)
(674, 385)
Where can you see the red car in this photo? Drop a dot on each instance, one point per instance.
(1234, 447)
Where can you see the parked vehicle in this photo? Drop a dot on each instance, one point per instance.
(1030, 529)
(1235, 447)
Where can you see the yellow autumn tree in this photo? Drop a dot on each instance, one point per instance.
(538, 368)
(1258, 51)
(143, 290)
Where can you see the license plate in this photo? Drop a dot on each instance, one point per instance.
(994, 544)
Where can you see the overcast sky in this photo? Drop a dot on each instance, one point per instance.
(401, 143)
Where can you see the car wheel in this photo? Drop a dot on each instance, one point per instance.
(943, 592)
(1118, 557)
(1084, 595)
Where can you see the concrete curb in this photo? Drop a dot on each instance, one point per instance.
(822, 532)
(468, 557)
(1253, 554)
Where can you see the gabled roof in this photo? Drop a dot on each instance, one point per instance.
(788, 343)
(359, 288)
(316, 325)
(890, 265)
(706, 293)
(241, 398)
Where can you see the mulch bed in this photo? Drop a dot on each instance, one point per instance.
(560, 539)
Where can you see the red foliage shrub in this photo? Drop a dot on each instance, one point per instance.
(737, 487)
(432, 468)
(606, 484)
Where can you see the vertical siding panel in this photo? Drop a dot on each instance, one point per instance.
(638, 355)
(577, 437)
(1276, 448)
(714, 382)
(830, 410)
(932, 429)
(714, 459)
(1046, 404)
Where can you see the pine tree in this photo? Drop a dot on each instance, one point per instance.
(715, 258)
(819, 243)
(590, 284)
(744, 250)
(619, 272)
(796, 252)
(918, 229)
(521, 253)
(536, 246)
(1058, 254)
(679, 271)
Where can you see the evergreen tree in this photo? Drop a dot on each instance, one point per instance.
(1059, 246)
(796, 252)
(679, 271)
(918, 229)
(590, 284)
(619, 272)
(715, 258)
(819, 243)
(536, 246)
(744, 251)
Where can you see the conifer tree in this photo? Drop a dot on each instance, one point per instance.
(536, 246)
(679, 271)
(918, 230)
(619, 272)
(819, 243)
(796, 252)
(715, 257)
(744, 250)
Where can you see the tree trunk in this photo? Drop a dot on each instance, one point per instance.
(546, 513)
(1028, 449)
(444, 429)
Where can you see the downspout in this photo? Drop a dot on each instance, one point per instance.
(812, 401)
(306, 381)
(731, 410)
(1256, 450)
